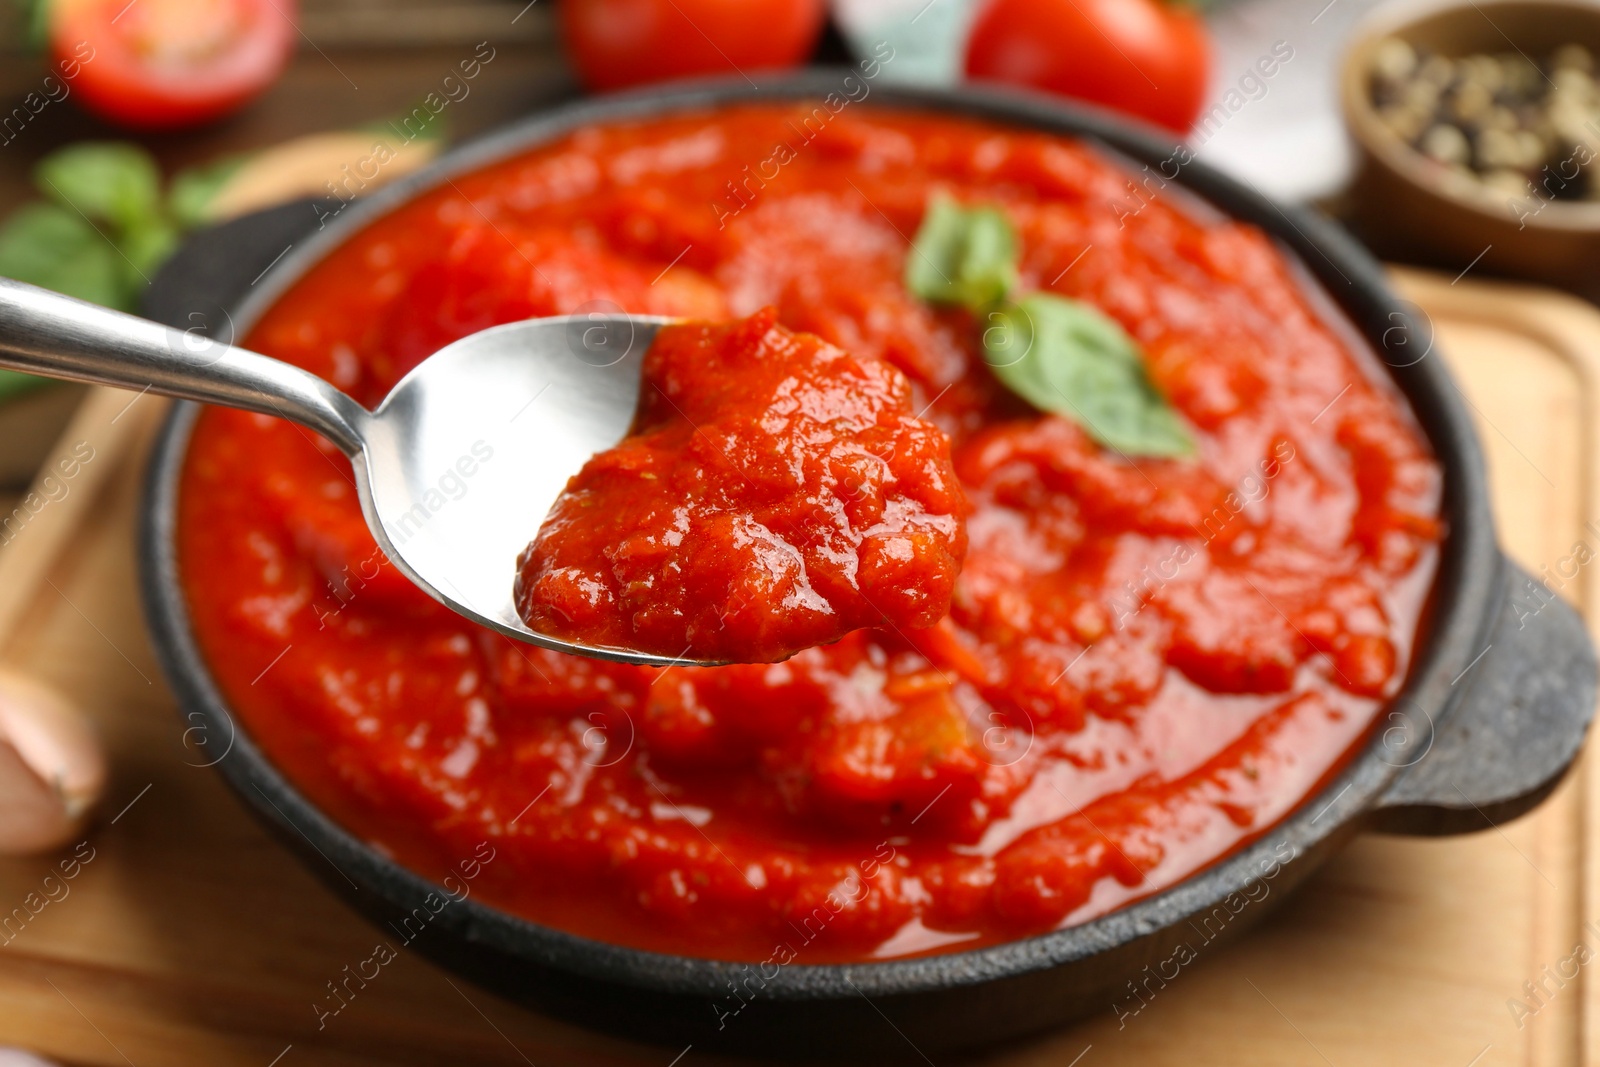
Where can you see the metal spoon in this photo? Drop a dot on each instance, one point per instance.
(456, 469)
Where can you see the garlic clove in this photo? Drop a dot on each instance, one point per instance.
(16, 1057)
(52, 767)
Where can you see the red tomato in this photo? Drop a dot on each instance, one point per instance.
(616, 43)
(165, 64)
(1146, 58)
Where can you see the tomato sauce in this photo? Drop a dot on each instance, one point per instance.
(774, 493)
(1145, 663)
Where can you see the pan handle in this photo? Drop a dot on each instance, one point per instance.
(1506, 742)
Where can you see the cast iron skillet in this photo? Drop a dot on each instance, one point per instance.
(1493, 714)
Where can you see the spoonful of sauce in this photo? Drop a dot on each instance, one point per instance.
(459, 466)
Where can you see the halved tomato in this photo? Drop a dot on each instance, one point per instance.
(166, 64)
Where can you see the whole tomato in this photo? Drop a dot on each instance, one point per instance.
(616, 43)
(165, 64)
(1146, 58)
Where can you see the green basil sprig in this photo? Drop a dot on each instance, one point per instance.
(102, 229)
(1060, 355)
(100, 232)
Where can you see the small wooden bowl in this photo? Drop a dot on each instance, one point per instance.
(1409, 207)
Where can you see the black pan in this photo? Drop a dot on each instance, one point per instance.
(1492, 716)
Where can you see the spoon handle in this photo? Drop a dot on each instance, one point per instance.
(56, 336)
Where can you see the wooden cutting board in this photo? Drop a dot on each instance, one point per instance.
(190, 937)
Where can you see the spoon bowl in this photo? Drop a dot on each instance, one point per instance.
(458, 466)
(466, 455)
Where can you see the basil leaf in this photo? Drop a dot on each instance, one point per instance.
(962, 255)
(1066, 357)
(52, 247)
(108, 181)
(193, 189)
(144, 248)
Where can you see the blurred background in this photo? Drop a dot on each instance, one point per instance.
(360, 61)
(1409, 121)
